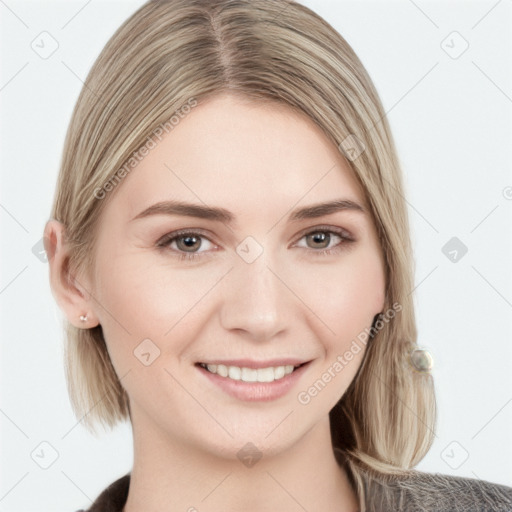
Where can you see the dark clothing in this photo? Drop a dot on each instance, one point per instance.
(424, 492)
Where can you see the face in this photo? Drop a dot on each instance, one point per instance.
(235, 269)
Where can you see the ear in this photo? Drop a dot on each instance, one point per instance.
(71, 295)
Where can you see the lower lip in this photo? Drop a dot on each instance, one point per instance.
(255, 391)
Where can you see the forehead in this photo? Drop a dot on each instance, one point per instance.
(245, 156)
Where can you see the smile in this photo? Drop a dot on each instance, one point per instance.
(269, 381)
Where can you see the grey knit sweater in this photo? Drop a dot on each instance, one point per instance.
(423, 492)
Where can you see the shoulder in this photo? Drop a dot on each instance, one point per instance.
(425, 492)
(113, 498)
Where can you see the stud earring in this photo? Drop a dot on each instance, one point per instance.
(83, 318)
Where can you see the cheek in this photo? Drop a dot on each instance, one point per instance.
(345, 296)
(156, 302)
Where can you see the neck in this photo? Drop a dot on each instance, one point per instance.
(176, 477)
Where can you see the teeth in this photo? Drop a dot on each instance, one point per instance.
(234, 372)
(279, 372)
(222, 370)
(250, 374)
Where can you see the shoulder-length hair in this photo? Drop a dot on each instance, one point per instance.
(174, 53)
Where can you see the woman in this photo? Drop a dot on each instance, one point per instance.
(230, 245)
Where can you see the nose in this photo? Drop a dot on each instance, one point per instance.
(256, 302)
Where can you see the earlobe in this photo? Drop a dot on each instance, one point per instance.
(71, 295)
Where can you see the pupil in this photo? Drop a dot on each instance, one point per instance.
(321, 238)
(188, 242)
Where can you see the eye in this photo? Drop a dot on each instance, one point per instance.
(325, 240)
(186, 243)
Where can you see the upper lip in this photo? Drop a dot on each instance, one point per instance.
(250, 363)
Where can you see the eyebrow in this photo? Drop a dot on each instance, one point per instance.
(225, 216)
(321, 209)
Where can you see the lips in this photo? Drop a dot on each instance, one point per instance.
(254, 380)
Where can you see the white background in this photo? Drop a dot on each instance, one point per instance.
(451, 121)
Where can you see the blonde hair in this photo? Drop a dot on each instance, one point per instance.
(171, 52)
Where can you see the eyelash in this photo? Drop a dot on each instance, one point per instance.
(166, 240)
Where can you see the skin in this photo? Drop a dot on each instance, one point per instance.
(260, 162)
